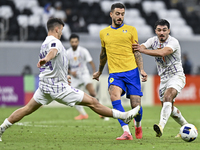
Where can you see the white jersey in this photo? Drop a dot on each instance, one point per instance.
(171, 64)
(53, 75)
(78, 60)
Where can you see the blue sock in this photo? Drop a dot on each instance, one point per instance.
(117, 105)
(138, 118)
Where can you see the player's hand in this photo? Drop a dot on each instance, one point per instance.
(136, 47)
(73, 73)
(69, 79)
(144, 75)
(96, 75)
(41, 62)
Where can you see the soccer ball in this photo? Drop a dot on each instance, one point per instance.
(188, 132)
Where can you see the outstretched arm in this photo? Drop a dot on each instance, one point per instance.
(52, 53)
(103, 60)
(157, 52)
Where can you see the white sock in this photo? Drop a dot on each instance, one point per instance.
(165, 113)
(176, 115)
(6, 124)
(126, 128)
(137, 124)
(80, 109)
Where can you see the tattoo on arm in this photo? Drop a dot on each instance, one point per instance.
(138, 59)
(103, 59)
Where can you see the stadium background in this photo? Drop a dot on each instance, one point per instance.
(22, 31)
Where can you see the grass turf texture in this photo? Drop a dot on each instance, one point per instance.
(55, 128)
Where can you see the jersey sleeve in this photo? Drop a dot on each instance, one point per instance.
(148, 43)
(135, 35)
(101, 38)
(173, 44)
(88, 57)
(55, 44)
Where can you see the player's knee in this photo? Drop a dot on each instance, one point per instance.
(94, 102)
(114, 97)
(167, 98)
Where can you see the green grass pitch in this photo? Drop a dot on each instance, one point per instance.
(55, 129)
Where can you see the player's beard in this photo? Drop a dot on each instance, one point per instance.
(163, 38)
(74, 47)
(118, 24)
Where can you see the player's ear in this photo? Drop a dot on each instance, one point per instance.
(169, 30)
(111, 14)
(56, 29)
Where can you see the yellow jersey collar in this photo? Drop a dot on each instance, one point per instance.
(117, 27)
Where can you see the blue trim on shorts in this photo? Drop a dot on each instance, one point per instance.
(128, 81)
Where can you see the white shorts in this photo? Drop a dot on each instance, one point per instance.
(84, 79)
(177, 82)
(69, 96)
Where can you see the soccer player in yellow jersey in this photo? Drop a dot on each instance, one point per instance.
(125, 67)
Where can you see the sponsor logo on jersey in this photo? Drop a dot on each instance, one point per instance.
(53, 45)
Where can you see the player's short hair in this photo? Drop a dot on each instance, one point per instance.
(72, 36)
(53, 22)
(117, 5)
(162, 22)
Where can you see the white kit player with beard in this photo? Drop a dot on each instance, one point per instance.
(78, 57)
(167, 52)
(53, 84)
(78, 60)
(169, 65)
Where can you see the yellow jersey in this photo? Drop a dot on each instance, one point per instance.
(118, 44)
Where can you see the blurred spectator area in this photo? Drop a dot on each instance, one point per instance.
(23, 20)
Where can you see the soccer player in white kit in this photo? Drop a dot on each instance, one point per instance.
(53, 83)
(167, 52)
(78, 57)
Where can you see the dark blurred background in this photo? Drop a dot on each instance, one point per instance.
(22, 27)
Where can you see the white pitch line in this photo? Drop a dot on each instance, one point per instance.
(49, 123)
(30, 124)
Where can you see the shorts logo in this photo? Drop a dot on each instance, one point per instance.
(111, 80)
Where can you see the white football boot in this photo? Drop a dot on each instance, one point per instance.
(131, 114)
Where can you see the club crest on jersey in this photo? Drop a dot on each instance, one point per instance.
(107, 34)
(75, 58)
(125, 31)
(53, 45)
